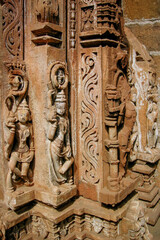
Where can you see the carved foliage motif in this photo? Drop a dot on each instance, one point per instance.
(12, 11)
(89, 113)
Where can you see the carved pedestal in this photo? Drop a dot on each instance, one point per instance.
(145, 165)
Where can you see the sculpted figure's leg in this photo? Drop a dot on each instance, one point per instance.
(24, 169)
(60, 178)
(12, 165)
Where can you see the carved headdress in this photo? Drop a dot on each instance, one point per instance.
(23, 105)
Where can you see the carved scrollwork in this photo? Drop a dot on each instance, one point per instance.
(12, 26)
(89, 111)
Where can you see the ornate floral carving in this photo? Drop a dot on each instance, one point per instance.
(58, 126)
(89, 112)
(19, 147)
(12, 12)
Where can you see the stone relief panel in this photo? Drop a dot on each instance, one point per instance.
(58, 133)
(87, 19)
(19, 231)
(135, 222)
(48, 11)
(120, 116)
(19, 144)
(12, 22)
(144, 154)
(89, 118)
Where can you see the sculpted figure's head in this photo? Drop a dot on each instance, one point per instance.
(16, 82)
(60, 103)
(23, 113)
(47, 2)
(60, 76)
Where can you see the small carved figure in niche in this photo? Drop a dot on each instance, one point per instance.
(87, 19)
(152, 131)
(128, 115)
(39, 227)
(48, 11)
(58, 134)
(19, 149)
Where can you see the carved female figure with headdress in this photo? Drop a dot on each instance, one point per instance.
(19, 149)
(58, 134)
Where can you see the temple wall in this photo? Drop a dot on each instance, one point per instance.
(143, 18)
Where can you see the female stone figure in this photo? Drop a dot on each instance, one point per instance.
(58, 134)
(19, 149)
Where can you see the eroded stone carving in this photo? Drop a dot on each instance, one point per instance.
(39, 227)
(87, 19)
(48, 11)
(145, 153)
(58, 126)
(19, 231)
(128, 112)
(136, 221)
(19, 148)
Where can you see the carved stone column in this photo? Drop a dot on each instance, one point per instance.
(102, 97)
(45, 54)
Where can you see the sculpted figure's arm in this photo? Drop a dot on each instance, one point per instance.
(121, 113)
(51, 131)
(68, 145)
(11, 125)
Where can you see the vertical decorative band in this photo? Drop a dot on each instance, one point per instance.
(12, 13)
(89, 114)
(72, 25)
